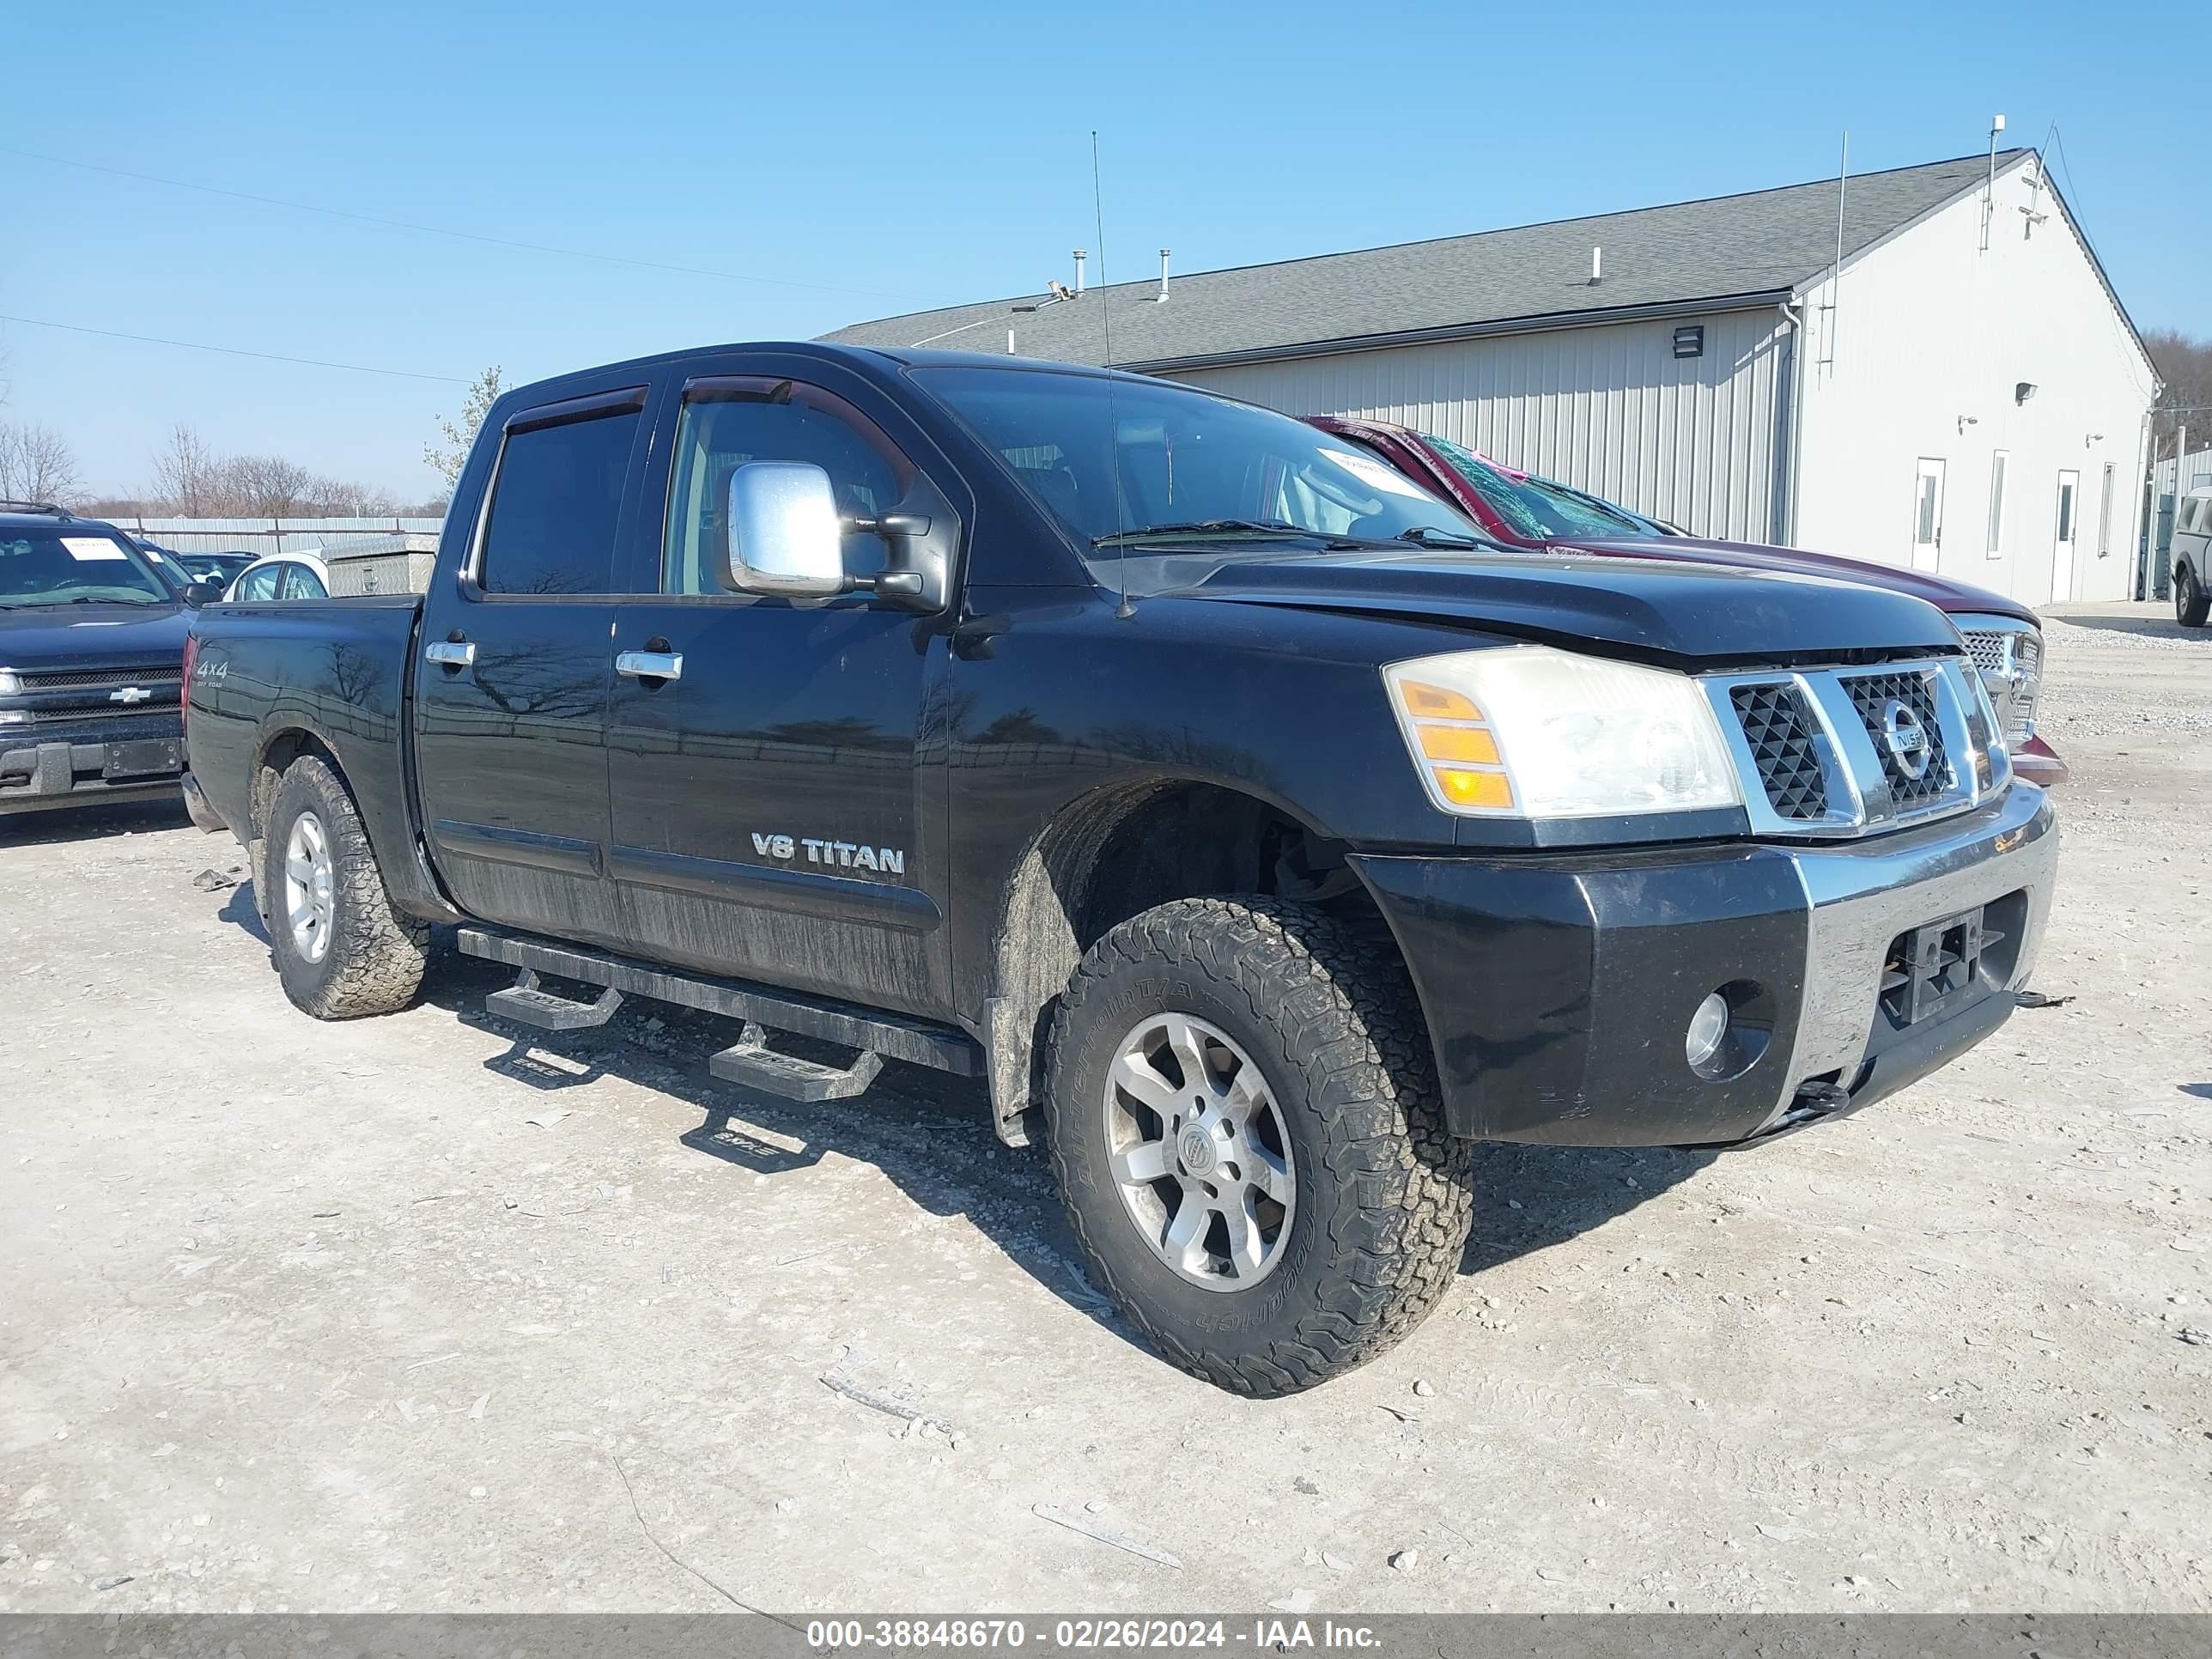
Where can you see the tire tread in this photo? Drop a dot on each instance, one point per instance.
(1349, 1018)
(377, 955)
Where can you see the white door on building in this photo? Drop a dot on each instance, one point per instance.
(1928, 514)
(2061, 558)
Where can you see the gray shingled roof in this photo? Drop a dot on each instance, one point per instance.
(1767, 242)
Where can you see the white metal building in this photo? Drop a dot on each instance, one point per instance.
(1961, 391)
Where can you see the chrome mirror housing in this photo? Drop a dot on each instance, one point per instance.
(782, 532)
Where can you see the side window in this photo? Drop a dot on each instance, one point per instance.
(300, 583)
(261, 584)
(720, 431)
(554, 503)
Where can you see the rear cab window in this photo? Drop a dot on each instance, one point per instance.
(556, 502)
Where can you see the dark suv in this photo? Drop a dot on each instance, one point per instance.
(92, 646)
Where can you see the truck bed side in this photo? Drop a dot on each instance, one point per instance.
(270, 682)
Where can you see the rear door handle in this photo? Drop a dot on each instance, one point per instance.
(450, 653)
(650, 665)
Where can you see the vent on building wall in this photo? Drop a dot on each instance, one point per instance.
(1690, 340)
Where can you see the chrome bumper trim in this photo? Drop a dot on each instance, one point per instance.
(1862, 896)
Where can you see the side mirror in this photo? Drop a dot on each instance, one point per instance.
(197, 594)
(783, 535)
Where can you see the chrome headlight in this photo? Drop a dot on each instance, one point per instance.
(2007, 654)
(11, 683)
(1531, 731)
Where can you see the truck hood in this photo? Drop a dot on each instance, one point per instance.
(1956, 597)
(1676, 613)
(93, 637)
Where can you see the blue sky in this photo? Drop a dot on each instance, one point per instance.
(875, 158)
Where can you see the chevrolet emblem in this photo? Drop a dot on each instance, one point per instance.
(129, 694)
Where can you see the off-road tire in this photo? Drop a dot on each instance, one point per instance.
(2190, 602)
(373, 964)
(1385, 1193)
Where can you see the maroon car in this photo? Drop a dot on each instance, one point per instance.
(1522, 510)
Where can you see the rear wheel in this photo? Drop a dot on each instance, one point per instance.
(2191, 601)
(341, 949)
(1243, 1115)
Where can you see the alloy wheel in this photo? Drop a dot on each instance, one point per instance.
(1200, 1153)
(310, 887)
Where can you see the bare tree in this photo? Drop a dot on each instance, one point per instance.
(185, 474)
(192, 480)
(37, 465)
(461, 434)
(264, 487)
(2184, 363)
(339, 498)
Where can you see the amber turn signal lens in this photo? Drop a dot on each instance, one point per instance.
(1472, 745)
(1425, 702)
(1474, 788)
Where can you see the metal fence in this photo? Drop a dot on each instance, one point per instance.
(260, 537)
(2195, 471)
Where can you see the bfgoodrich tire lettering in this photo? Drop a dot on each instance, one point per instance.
(371, 962)
(1384, 1193)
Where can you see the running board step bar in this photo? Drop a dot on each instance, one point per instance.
(849, 1025)
(752, 1064)
(524, 1002)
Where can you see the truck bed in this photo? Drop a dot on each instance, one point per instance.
(338, 667)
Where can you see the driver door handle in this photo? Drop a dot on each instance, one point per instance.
(650, 665)
(450, 653)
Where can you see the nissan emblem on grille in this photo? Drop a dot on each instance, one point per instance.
(1906, 738)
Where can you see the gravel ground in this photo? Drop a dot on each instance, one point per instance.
(413, 1314)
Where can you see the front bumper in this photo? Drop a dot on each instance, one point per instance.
(1557, 987)
(81, 768)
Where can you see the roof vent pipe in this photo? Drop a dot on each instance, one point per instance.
(1163, 276)
(1080, 256)
(1597, 266)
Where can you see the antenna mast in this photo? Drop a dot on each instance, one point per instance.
(1124, 610)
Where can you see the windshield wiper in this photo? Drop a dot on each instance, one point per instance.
(1214, 529)
(1424, 535)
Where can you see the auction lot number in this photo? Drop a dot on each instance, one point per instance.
(1116, 1633)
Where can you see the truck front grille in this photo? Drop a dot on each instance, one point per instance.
(2009, 659)
(1778, 726)
(1847, 751)
(150, 676)
(84, 713)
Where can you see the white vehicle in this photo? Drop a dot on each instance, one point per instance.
(281, 576)
(2192, 557)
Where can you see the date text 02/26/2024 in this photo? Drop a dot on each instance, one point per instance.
(1086, 1635)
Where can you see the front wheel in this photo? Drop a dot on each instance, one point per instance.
(341, 949)
(1243, 1115)
(2191, 601)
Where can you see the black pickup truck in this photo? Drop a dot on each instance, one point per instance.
(1260, 836)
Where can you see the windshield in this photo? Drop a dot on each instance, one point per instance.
(1194, 467)
(1536, 508)
(40, 567)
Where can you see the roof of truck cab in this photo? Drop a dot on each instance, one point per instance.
(825, 350)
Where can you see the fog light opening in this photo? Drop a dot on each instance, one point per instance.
(1708, 1030)
(1729, 1031)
